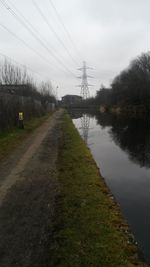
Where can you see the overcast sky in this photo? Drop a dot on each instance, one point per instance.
(106, 34)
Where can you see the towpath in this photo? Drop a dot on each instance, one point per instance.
(28, 194)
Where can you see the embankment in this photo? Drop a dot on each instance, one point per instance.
(90, 228)
(131, 111)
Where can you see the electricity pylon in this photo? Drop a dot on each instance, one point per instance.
(84, 84)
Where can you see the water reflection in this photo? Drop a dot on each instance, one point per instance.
(85, 126)
(84, 122)
(75, 113)
(121, 149)
(132, 135)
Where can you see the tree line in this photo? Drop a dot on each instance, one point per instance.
(13, 75)
(19, 93)
(130, 88)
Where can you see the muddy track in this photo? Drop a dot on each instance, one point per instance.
(28, 192)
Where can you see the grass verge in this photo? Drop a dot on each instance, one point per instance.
(10, 140)
(92, 232)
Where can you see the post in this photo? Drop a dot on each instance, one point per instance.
(20, 120)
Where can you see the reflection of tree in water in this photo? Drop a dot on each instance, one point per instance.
(78, 113)
(75, 113)
(85, 124)
(132, 135)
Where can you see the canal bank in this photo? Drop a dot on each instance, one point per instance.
(92, 231)
(120, 147)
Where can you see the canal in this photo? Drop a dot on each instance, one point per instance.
(121, 149)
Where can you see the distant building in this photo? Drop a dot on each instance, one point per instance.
(71, 100)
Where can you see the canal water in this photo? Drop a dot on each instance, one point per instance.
(121, 148)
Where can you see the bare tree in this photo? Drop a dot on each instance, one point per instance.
(47, 94)
(12, 74)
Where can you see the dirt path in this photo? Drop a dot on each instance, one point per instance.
(28, 193)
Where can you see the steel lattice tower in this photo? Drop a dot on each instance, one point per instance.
(84, 84)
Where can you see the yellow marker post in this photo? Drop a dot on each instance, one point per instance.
(20, 118)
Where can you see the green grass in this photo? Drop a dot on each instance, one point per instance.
(92, 231)
(10, 140)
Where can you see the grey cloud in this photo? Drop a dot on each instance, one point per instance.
(107, 33)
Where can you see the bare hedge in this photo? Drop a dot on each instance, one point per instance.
(11, 105)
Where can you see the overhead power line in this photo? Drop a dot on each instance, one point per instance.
(29, 47)
(31, 25)
(34, 29)
(65, 28)
(35, 35)
(25, 43)
(54, 32)
(21, 65)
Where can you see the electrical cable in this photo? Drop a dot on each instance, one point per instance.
(20, 64)
(54, 32)
(25, 43)
(35, 36)
(28, 22)
(65, 29)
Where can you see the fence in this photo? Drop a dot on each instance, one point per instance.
(11, 105)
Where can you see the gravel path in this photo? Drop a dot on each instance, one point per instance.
(28, 195)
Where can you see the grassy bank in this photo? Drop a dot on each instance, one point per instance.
(92, 231)
(10, 140)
